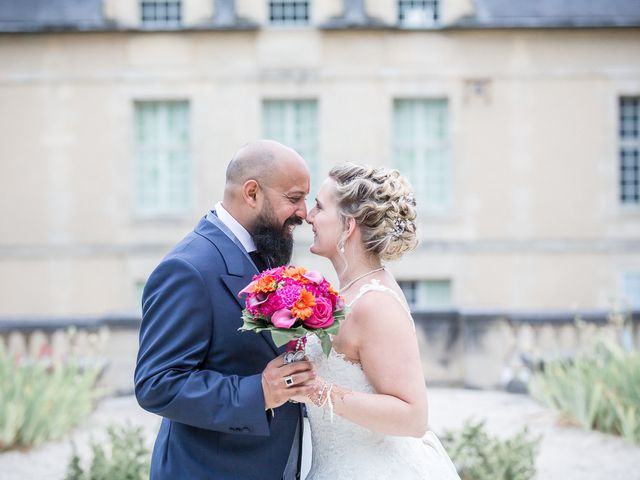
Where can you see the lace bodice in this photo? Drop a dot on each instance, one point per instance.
(345, 450)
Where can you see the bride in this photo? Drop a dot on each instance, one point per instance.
(368, 412)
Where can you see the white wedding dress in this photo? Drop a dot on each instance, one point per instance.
(343, 450)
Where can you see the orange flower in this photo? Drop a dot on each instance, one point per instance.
(296, 274)
(303, 308)
(332, 291)
(264, 284)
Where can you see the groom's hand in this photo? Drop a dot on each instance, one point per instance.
(281, 382)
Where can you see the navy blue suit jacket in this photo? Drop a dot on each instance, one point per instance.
(201, 374)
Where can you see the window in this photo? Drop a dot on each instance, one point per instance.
(161, 14)
(425, 294)
(295, 123)
(289, 12)
(163, 165)
(421, 150)
(630, 150)
(631, 289)
(417, 13)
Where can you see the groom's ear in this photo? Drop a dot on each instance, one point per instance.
(250, 193)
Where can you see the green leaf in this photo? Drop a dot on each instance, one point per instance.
(325, 341)
(248, 325)
(282, 336)
(340, 315)
(334, 328)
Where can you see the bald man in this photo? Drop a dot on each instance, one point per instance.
(221, 392)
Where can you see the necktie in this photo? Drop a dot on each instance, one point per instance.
(259, 261)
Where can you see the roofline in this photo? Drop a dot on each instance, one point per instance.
(465, 25)
(92, 29)
(529, 23)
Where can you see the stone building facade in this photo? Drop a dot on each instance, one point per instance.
(517, 123)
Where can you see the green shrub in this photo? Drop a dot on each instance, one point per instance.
(126, 458)
(478, 456)
(42, 400)
(597, 390)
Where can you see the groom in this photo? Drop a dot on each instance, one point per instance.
(222, 393)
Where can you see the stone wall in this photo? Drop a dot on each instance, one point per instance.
(483, 350)
(502, 349)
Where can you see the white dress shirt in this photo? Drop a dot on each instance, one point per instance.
(238, 230)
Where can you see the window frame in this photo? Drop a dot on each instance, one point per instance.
(420, 146)
(630, 303)
(629, 144)
(292, 131)
(428, 6)
(163, 206)
(164, 24)
(419, 288)
(284, 23)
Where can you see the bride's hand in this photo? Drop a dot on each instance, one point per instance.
(305, 398)
(318, 394)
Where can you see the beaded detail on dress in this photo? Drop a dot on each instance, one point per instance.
(345, 450)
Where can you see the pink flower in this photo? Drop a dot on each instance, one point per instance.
(277, 271)
(257, 299)
(314, 277)
(322, 316)
(283, 318)
(273, 304)
(248, 289)
(288, 294)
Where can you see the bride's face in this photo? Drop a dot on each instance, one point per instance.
(325, 221)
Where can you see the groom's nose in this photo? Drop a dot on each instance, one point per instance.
(310, 215)
(301, 211)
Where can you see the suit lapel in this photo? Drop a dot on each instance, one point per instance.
(234, 284)
(240, 268)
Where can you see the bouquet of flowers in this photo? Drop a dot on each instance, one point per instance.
(291, 302)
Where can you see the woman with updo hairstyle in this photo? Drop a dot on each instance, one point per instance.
(383, 205)
(368, 412)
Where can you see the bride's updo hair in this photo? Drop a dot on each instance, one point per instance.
(383, 205)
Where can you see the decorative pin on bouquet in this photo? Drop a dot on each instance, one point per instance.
(291, 302)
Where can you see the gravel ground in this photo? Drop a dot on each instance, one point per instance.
(566, 453)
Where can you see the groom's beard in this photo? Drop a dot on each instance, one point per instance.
(273, 241)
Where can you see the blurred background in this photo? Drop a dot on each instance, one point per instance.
(517, 122)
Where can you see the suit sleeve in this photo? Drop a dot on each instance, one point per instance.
(174, 340)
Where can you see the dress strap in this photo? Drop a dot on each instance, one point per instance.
(375, 286)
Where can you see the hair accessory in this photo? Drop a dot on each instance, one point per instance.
(399, 228)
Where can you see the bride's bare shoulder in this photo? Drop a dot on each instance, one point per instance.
(378, 307)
